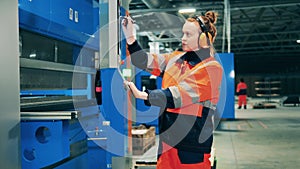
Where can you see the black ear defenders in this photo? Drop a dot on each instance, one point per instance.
(203, 29)
(201, 24)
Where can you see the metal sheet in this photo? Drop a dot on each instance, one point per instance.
(55, 115)
(44, 65)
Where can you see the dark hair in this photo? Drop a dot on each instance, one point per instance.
(241, 80)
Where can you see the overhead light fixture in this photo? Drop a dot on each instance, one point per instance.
(298, 41)
(187, 10)
(32, 55)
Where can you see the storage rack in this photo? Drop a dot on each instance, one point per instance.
(267, 89)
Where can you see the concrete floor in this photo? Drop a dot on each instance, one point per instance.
(259, 139)
(255, 139)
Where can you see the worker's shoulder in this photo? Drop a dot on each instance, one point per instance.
(174, 54)
(211, 61)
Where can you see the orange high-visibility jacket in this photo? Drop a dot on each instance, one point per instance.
(241, 88)
(191, 83)
(191, 86)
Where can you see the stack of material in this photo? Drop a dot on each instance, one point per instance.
(142, 139)
(264, 106)
(145, 165)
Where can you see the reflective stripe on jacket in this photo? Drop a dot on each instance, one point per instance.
(189, 94)
(192, 87)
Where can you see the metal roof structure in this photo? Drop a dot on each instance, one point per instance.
(261, 34)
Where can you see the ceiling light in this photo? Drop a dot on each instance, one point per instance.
(298, 41)
(32, 55)
(187, 10)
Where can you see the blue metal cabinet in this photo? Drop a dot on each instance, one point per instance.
(226, 101)
(58, 19)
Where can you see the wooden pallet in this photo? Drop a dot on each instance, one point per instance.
(142, 139)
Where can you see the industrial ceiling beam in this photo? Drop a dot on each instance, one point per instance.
(264, 6)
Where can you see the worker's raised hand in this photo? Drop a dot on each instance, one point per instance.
(128, 29)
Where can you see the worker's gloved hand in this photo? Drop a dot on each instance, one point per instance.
(129, 29)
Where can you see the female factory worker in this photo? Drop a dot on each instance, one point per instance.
(190, 91)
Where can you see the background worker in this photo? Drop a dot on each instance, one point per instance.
(241, 91)
(189, 94)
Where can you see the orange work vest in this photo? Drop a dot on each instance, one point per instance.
(192, 87)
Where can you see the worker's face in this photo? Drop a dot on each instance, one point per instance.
(190, 36)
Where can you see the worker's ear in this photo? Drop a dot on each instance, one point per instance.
(203, 40)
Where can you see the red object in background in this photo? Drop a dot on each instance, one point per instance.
(98, 89)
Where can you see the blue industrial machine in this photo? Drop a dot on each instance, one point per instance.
(144, 114)
(73, 114)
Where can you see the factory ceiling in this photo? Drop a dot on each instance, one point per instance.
(262, 34)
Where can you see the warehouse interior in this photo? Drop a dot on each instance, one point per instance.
(263, 35)
(64, 104)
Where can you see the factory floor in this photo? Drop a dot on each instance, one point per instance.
(260, 139)
(255, 139)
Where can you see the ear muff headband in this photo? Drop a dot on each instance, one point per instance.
(203, 28)
(201, 24)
